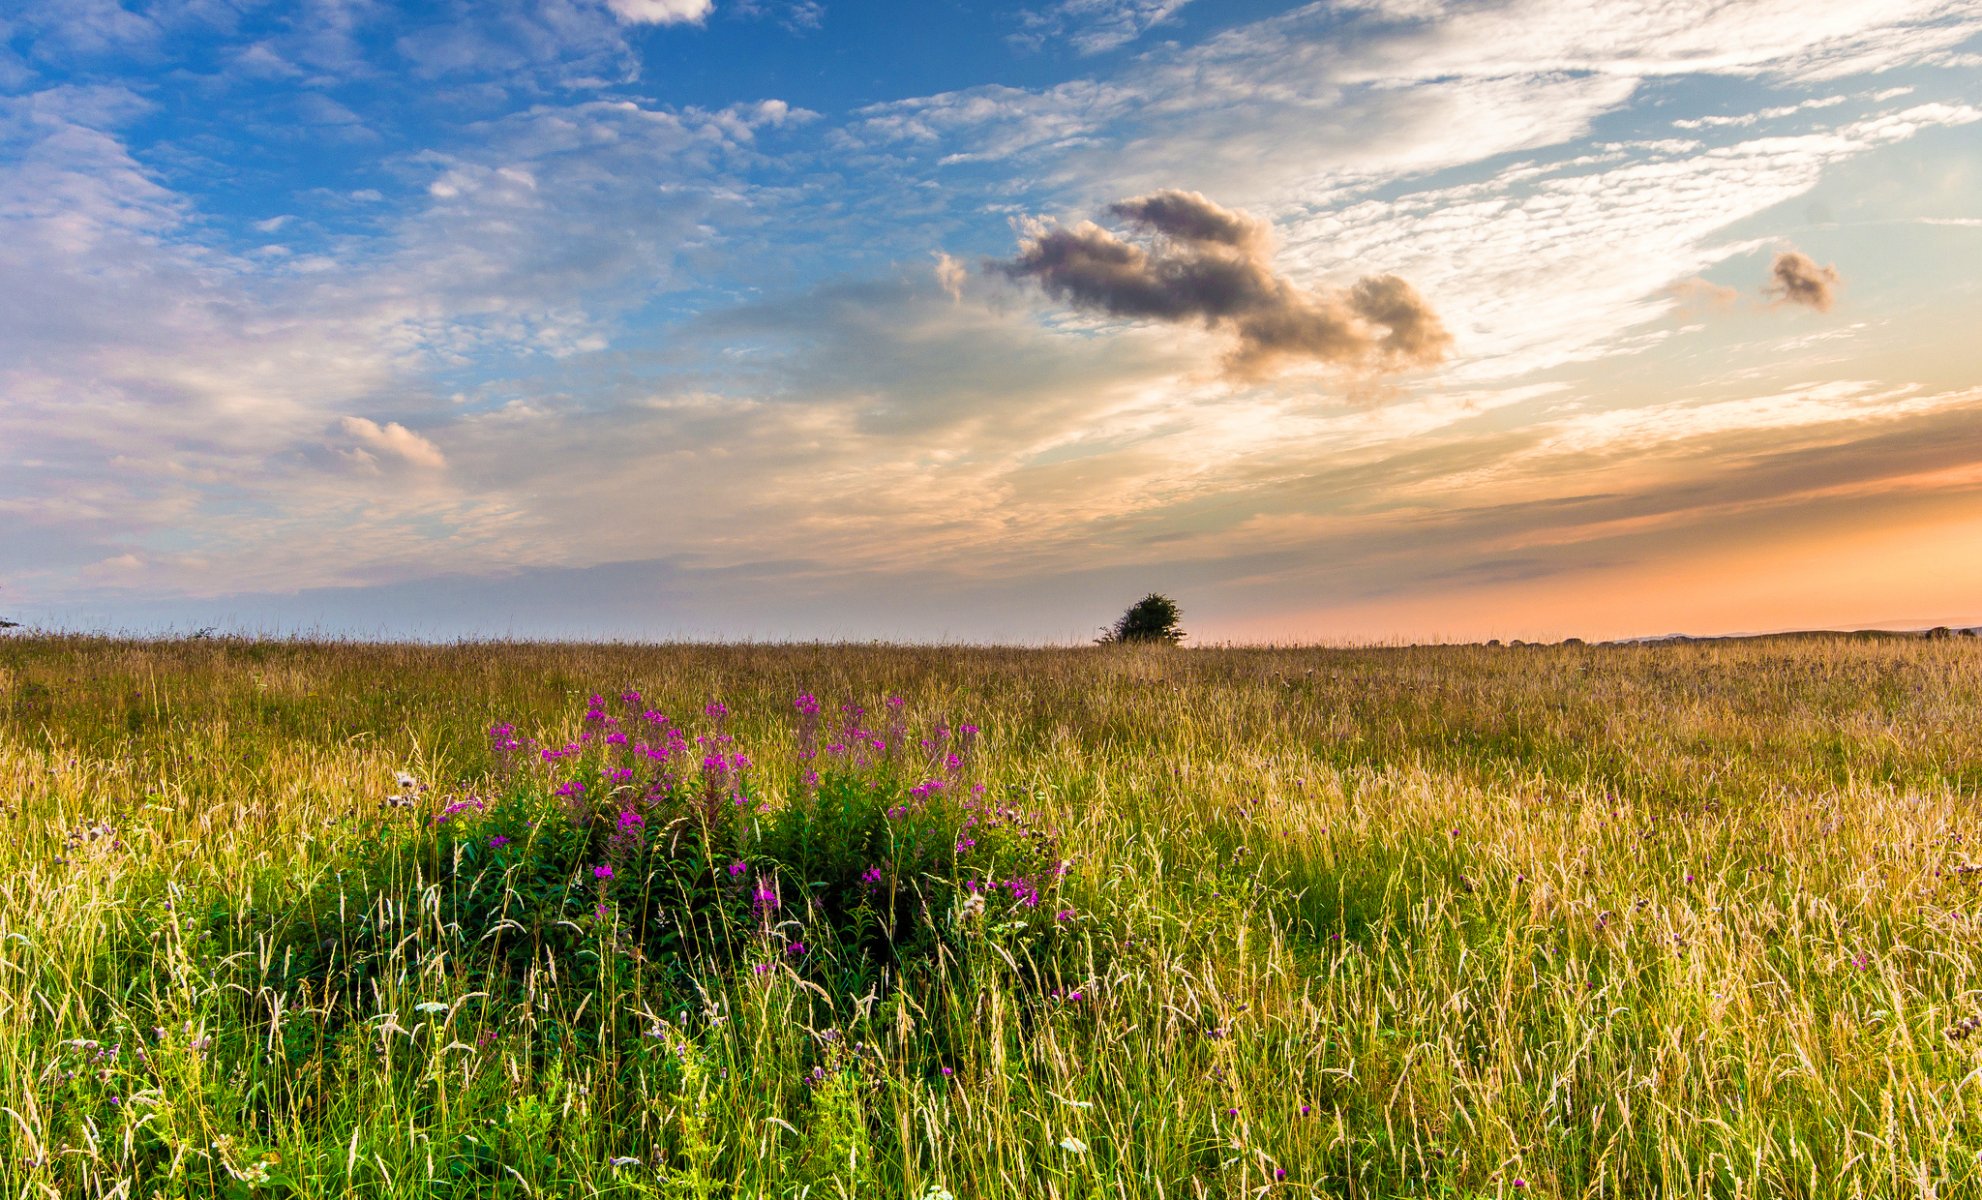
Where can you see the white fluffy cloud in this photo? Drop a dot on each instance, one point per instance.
(394, 441)
(659, 12)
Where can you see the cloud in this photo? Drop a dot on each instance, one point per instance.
(659, 12)
(950, 275)
(1210, 264)
(1697, 295)
(1799, 280)
(394, 439)
(1095, 26)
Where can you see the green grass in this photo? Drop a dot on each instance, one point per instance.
(1664, 921)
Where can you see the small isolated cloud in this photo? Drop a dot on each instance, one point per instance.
(394, 440)
(1799, 280)
(1697, 295)
(950, 275)
(659, 12)
(1204, 263)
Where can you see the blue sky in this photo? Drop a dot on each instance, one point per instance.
(652, 318)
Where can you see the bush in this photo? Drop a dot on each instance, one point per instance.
(1152, 619)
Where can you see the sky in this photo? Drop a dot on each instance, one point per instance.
(1372, 320)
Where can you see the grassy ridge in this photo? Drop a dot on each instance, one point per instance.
(1673, 920)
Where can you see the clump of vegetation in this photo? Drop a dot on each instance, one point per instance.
(641, 840)
(291, 919)
(1153, 620)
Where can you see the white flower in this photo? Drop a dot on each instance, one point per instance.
(1073, 1145)
(406, 782)
(430, 1006)
(623, 1161)
(937, 1191)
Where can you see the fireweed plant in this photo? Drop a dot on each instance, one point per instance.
(640, 854)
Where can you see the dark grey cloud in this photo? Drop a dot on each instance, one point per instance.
(1199, 262)
(1799, 280)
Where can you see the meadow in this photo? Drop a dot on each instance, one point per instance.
(336, 919)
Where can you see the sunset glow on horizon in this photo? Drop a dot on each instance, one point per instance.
(1362, 321)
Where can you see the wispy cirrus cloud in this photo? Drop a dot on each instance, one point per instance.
(1093, 26)
(561, 298)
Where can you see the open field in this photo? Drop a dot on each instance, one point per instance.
(1679, 920)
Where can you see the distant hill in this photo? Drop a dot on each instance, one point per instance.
(1937, 631)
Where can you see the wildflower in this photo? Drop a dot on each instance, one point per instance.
(498, 842)
(625, 1160)
(1073, 1145)
(737, 868)
(948, 1071)
(1519, 1183)
(795, 949)
(716, 710)
(1279, 1172)
(1065, 914)
(602, 871)
(1306, 1109)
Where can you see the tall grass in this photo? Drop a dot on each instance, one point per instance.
(1662, 921)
